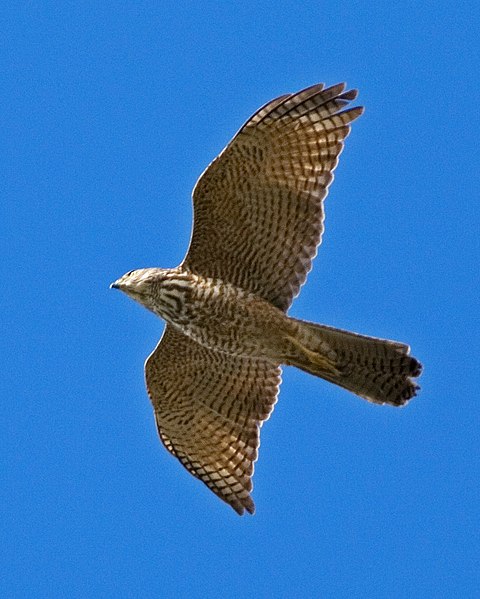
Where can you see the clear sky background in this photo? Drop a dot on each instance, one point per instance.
(109, 112)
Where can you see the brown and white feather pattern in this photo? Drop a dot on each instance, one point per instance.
(258, 208)
(258, 219)
(209, 407)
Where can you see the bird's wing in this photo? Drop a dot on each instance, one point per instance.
(258, 207)
(209, 407)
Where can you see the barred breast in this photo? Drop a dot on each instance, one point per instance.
(222, 316)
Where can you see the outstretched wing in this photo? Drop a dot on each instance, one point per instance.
(258, 207)
(209, 407)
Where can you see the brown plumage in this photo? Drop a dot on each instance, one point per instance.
(258, 219)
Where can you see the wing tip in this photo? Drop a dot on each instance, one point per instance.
(350, 94)
(356, 111)
(242, 505)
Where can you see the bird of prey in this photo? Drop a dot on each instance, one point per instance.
(258, 219)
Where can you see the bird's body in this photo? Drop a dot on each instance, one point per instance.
(216, 314)
(214, 376)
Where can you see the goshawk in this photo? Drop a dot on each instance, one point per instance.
(258, 219)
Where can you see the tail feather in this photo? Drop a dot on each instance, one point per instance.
(378, 370)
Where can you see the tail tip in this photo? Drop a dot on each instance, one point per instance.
(416, 367)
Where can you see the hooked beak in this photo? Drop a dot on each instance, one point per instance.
(115, 285)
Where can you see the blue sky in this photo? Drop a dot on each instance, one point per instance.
(110, 111)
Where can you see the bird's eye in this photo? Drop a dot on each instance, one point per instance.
(129, 273)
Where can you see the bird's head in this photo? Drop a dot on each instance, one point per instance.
(139, 284)
(157, 289)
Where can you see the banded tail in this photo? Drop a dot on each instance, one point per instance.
(378, 370)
